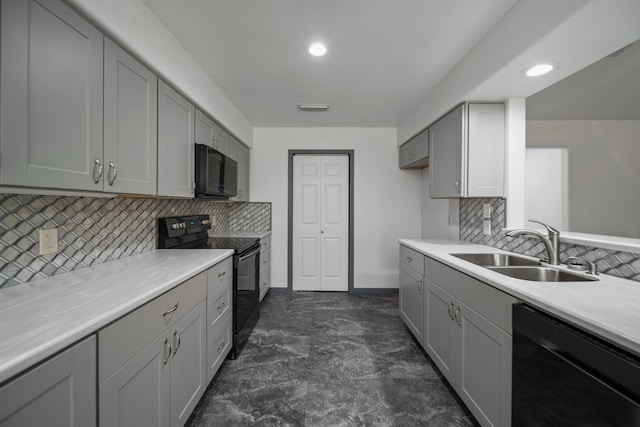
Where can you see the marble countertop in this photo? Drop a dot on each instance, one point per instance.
(40, 318)
(608, 308)
(249, 234)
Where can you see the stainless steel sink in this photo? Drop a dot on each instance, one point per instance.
(496, 260)
(541, 274)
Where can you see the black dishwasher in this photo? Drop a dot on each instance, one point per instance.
(563, 376)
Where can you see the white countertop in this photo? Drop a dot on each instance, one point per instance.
(249, 234)
(608, 308)
(40, 318)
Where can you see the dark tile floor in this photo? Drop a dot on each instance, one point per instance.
(329, 359)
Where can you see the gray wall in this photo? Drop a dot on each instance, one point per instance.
(604, 172)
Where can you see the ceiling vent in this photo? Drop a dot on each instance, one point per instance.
(313, 108)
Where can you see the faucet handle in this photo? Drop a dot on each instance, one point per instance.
(550, 229)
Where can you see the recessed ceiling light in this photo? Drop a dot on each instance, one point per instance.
(317, 49)
(538, 70)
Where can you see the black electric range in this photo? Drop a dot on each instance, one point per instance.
(190, 232)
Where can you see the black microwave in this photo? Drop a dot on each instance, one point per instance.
(216, 174)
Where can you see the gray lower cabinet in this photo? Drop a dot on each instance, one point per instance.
(176, 151)
(468, 337)
(59, 392)
(130, 123)
(411, 291)
(265, 266)
(219, 312)
(152, 362)
(51, 70)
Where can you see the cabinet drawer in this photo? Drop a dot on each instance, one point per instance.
(121, 340)
(218, 347)
(218, 306)
(220, 276)
(486, 300)
(413, 259)
(265, 244)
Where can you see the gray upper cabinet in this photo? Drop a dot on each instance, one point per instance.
(240, 153)
(130, 123)
(414, 154)
(206, 129)
(59, 392)
(176, 150)
(52, 102)
(467, 152)
(221, 140)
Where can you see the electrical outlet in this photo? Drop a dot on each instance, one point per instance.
(213, 220)
(48, 241)
(486, 227)
(486, 211)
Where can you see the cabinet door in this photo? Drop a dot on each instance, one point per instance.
(406, 154)
(440, 331)
(176, 148)
(234, 147)
(59, 392)
(411, 301)
(51, 85)
(243, 174)
(138, 394)
(205, 129)
(484, 368)
(188, 363)
(446, 138)
(130, 123)
(486, 150)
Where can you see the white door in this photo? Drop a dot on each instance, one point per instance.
(320, 222)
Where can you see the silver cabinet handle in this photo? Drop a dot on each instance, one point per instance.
(171, 310)
(222, 306)
(113, 168)
(457, 316)
(176, 345)
(457, 186)
(420, 286)
(166, 354)
(450, 310)
(409, 259)
(221, 275)
(221, 346)
(97, 167)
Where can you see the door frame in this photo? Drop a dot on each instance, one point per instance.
(350, 154)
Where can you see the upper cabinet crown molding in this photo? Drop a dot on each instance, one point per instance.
(467, 152)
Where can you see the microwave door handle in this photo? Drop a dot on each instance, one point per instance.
(249, 255)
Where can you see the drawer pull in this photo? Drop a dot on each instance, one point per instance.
(171, 310)
(221, 275)
(221, 346)
(167, 354)
(409, 259)
(221, 306)
(176, 336)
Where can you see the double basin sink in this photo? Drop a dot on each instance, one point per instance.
(522, 268)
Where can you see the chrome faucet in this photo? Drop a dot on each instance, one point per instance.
(551, 241)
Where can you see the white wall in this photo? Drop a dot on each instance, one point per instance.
(132, 24)
(603, 172)
(387, 199)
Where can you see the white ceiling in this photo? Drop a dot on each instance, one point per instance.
(608, 89)
(383, 56)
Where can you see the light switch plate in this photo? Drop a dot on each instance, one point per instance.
(48, 241)
(486, 227)
(486, 211)
(213, 220)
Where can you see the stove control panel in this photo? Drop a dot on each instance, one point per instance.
(176, 226)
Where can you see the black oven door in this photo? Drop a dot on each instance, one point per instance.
(247, 288)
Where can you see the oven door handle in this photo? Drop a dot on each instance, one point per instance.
(249, 255)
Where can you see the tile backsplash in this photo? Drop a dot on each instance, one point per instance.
(95, 230)
(615, 263)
